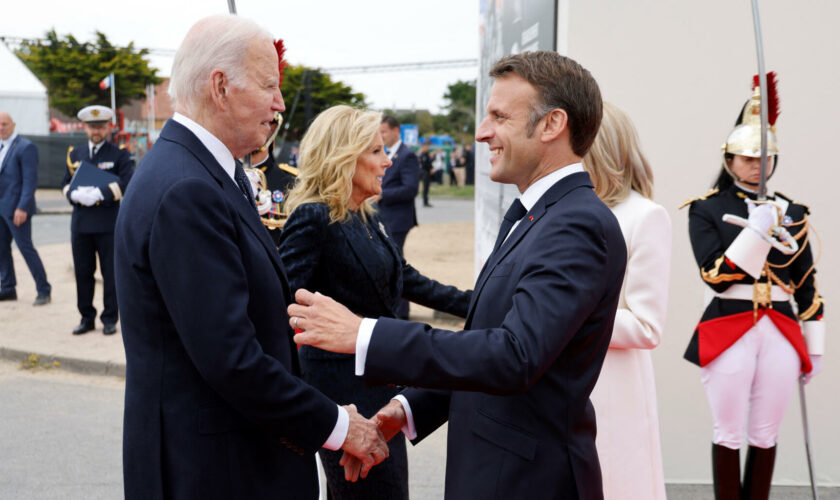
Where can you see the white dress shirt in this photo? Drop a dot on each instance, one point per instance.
(7, 145)
(392, 150)
(528, 199)
(225, 158)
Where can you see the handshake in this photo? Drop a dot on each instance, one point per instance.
(366, 442)
(86, 195)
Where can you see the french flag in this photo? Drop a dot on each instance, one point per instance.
(106, 82)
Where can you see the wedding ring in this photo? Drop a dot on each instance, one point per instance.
(295, 323)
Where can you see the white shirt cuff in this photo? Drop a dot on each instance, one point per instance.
(362, 343)
(339, 433)
(749, 251)
(814, 332)
(408, 429)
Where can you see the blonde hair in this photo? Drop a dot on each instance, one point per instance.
(616, 162)
(328, 154)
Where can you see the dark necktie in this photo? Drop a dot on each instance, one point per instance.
(514, 213)
(244, 184)
(92, 151)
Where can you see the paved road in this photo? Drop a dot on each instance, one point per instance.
(61, 434)
(48, 229)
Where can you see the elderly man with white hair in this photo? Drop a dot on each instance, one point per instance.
(214, 407)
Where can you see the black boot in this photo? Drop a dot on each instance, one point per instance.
(726, 472)
(758, 472)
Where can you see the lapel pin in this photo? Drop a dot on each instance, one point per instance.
(530, 217)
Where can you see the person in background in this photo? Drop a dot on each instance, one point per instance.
(438, 165)
(334, 243)
(399, 188)
(625, 394)
(752, 346)
(95, 211)
(279, 180)
(470, 157)
(459, 167)
(18, 180)
(428, 171)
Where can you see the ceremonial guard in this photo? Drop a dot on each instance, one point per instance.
(95, 197)
(271, 188)
(753, 342)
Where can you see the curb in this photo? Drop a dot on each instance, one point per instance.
(75, 365)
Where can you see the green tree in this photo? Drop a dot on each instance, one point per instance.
(325, 92)
(72, 70)
(460, 97)
(422, 118)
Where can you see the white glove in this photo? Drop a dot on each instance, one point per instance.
(86, 195)
(264, 202)
(96, 194)
(762, 217)
(816, 367)
(74, 196)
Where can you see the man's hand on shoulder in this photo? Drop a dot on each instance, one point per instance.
(321, 322)
(364, 443)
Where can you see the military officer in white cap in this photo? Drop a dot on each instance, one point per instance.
(95, 211)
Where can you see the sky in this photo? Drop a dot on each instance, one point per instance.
(317, 33)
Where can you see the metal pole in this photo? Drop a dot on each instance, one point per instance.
(762, 85)
(804, 409)
(232, 6)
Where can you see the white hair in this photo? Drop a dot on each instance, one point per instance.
(215, 42)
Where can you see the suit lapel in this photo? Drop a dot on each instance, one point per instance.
(176, 132)
(9, 154)
(531, 219)
(395, 164)
(365, 262)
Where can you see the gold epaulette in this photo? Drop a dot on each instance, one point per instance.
(689, 201)
(71, 166)
(288, 168)
(789, 199)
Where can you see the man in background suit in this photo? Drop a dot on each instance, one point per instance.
(514, 385)
(18, 180)
(95, 210)
(214, 406)
(399, 188)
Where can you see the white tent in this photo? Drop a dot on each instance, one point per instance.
(22, 95)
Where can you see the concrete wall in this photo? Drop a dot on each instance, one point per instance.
(682, 71)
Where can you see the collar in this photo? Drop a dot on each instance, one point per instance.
(392, 150)
(8, 142)
(537, 189)
(94, 147)
(216, 148)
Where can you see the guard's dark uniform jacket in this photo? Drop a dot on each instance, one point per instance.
(277, 178)
(725, 320)
(102, 217)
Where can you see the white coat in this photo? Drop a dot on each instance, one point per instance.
(625, 394)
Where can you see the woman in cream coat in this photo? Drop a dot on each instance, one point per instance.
(625, 394)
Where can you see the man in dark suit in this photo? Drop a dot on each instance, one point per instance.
(95, 210)
(399, 188)
(18, 179)
(214, 407)
(515, 384)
